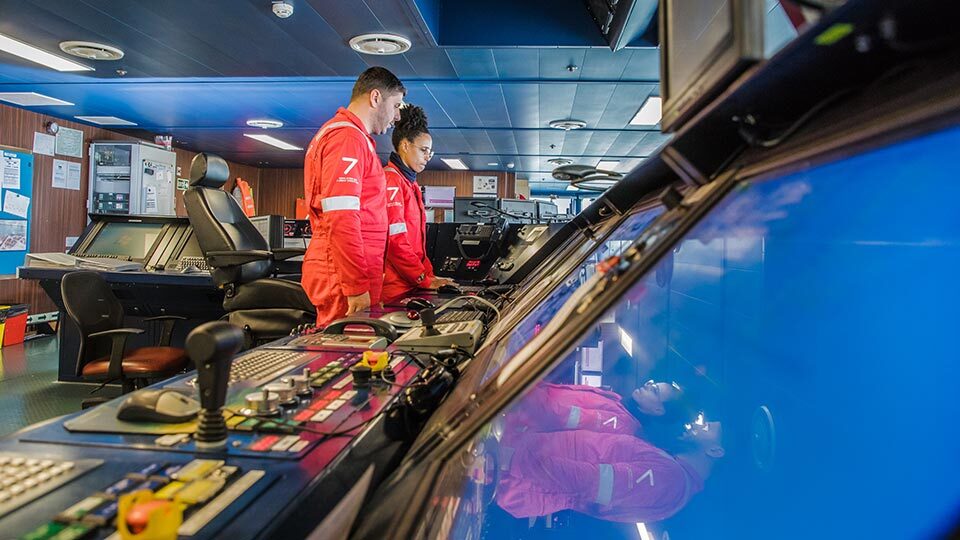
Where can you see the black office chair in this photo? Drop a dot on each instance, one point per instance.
(241, 263)
(103, 357)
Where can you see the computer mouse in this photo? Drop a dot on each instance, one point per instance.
(449, 289)
(416, 304)
(161, 405)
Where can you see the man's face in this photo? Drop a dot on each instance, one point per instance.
(387, 107)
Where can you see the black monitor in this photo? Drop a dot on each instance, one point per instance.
(704, 45)
(271, 227)
(124, 239)
(475, 210)
(518, 211)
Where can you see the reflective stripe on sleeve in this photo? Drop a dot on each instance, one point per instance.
(574, 419)
(344, 202)
(397, 228)
(605, 484)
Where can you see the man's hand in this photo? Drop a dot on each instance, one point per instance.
(356, 304)
(438, 282)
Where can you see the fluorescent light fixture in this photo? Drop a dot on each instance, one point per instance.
(272, 141)
(644, 533)
(608, 165)
(30, 99)
(106, 120)
(40, 56)
(492, 164)
(625, 340)
(650, 113)
(455, 163)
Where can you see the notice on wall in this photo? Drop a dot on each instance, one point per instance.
(439, 196)
(485, 186)
(11, 172)
(73, 176)
(16, 204)
(70, 142)
(13, 235)
(183, 184)
(43, 143)
(60, 173)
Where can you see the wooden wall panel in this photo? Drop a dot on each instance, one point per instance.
(58, 213)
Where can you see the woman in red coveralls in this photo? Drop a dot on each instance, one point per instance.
(346, 193)
(408, 267)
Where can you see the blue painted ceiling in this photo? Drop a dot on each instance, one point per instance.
(490, 74)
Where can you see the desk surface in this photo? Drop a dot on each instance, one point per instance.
(158, 278)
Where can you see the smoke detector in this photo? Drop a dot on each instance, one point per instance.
(265, 124)
(568, 125)
(380, 44)
(91, 50)
(560, 161)
(282, 9)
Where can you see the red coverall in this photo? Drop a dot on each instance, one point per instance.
(346, 195)
(408, 266)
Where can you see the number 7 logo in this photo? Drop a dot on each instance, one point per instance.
(393, 192)
(352, 162)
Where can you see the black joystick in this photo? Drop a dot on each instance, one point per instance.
(211, 346)
(429, 318)
(362, 376)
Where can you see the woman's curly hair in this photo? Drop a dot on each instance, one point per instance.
(412, 123)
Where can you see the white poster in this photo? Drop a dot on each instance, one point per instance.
(70, 142)
(43, 143)
(16, 204)
(73, 176)
(439, 196)
(485, 186)
(60, 173)
(11, 172)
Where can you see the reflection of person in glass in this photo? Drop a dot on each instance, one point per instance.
(570, 447)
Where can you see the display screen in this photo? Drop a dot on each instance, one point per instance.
(697, 29)
(130, 239)
(531, 325)
(788, 370)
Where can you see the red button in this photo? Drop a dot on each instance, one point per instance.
(265, 443)
(318, 404)
(304, 415)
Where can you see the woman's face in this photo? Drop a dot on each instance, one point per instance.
(417, 153)
(651, 396)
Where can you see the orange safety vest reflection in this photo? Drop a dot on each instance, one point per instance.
(246, 197)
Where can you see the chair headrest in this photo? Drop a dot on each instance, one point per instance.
(209, 170)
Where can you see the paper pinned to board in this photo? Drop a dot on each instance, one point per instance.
(16, 204)
(11, 172)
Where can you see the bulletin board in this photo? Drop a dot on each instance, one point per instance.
(16, 198)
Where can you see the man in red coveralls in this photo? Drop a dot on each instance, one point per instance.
(345, 189)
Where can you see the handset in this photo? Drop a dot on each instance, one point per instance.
(380, 328)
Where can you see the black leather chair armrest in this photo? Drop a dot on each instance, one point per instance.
(219, 259)
(118, 342)
(169, 321)
(282, 254)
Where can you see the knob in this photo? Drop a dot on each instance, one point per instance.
(284, 391)
(263, 403)
(301, 384)
(361, 376)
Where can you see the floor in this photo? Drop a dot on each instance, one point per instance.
(29, 391)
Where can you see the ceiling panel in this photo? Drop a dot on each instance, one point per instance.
(200, 70)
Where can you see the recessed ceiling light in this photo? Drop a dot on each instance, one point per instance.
(567, 125)
(380, 44)
(650, 113)
(40, 56)
(272, 141)
(30, 99)
(608, 165)
(510, 165)
(560, 161)
(264, 123)
(91, 50)
(106, 120)
(455, 163)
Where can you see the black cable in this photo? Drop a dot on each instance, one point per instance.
(753, 140)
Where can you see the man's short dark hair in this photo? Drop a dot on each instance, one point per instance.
(377, 78)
